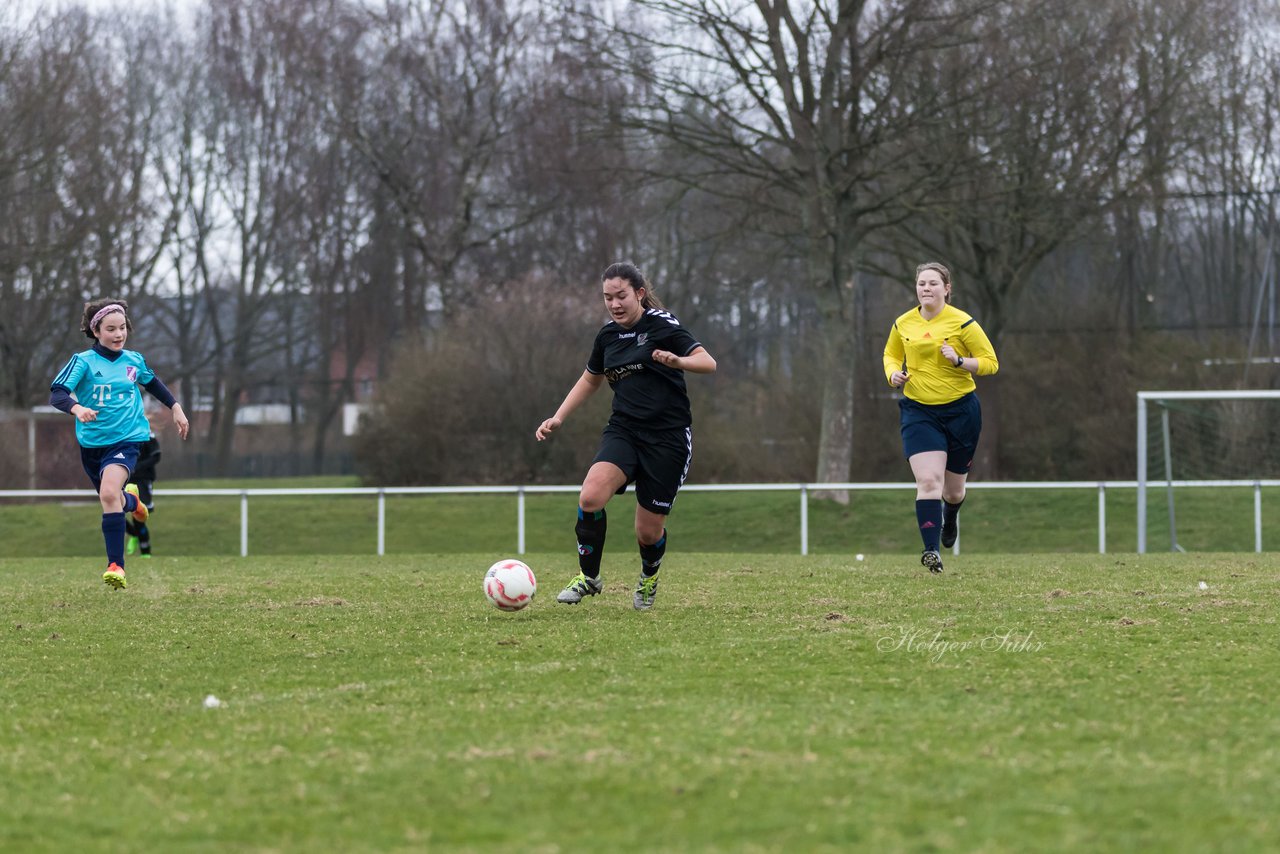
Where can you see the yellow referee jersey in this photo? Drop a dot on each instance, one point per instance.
(917, 343)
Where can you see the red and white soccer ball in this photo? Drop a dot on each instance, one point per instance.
(510, 585)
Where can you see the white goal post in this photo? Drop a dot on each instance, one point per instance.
(1160, 399)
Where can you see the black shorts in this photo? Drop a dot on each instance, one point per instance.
(94, 460)
(952, 427)
(656, 461)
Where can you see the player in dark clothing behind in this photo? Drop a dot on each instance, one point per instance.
(144, 476)
(643, 352)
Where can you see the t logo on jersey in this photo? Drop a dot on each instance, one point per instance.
(131, 373)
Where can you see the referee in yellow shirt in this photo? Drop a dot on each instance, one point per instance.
(933, 353)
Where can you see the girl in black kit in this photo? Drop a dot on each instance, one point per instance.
(643, 352)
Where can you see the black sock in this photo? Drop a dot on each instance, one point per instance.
(113, 537)
(590, 530)
(651, 555)
(929, 517)
(950, 511)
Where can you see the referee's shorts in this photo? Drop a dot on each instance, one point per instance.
(952, 427)
(656, 461)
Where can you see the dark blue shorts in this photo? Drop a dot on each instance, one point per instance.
(655, 460)
(95, 460)
(952, 427)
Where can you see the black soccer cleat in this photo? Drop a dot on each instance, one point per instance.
(931, 561)
(950, 531)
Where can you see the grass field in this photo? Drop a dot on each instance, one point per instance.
(767, 703)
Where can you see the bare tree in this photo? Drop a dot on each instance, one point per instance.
(183, 159)
(79, 216)
(38, 83)
(806, 104)
(124, 102)
(1048, 146)
(241, 197)
(1218, 236)
(329, 241)
(443, 105)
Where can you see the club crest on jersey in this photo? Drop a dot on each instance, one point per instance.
(131, 373)
(641, 338)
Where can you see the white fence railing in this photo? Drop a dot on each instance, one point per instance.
(803, 489)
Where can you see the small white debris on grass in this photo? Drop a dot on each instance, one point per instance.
(857, 556)
(212, 702)
(1203, 586)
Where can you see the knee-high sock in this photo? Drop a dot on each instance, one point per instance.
(113, 537)
(651, 555)
(950, 511)
(590, 530)
(929, 516)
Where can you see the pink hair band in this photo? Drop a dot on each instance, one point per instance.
(103, 312)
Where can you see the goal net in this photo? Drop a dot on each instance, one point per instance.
(1201, 439)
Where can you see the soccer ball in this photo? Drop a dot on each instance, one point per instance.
(510, 585)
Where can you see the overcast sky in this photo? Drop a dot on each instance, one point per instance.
(25, 9)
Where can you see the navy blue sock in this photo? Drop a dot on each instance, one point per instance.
(113, 536)
(950, 511)
(929, 516)
(130, 502)
(590, 530)
(651, 555)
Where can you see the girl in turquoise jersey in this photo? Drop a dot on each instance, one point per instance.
(99, 388)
